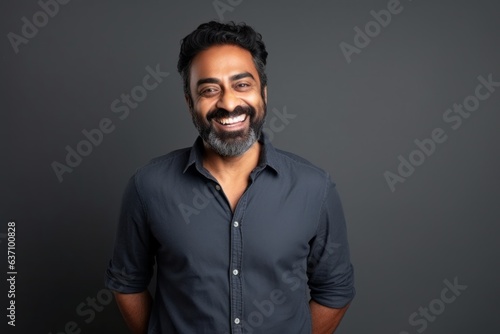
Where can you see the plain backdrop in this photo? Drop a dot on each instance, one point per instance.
(355, 119)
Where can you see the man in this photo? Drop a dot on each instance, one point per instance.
(242, 233)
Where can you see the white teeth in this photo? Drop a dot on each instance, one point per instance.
(232, 120)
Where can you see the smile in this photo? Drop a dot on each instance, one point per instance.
(231, 120)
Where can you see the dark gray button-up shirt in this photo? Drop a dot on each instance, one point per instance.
(218, 272)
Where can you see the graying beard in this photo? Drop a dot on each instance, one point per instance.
(231, 148)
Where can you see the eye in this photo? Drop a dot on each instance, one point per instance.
(209, 91)
(242, 86)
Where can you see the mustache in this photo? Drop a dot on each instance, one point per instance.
(239, 110)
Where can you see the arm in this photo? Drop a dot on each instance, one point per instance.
(135, 309)
(331, 275)
(325, 319)
(131, 267)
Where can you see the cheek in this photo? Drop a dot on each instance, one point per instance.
(256, 101)
(261, 106)
(203, 107)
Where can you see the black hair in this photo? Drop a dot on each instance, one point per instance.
(216, 33)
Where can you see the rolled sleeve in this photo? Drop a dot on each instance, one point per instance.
(131, 267)
(330, 272)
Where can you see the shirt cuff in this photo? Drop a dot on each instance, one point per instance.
(120, 281)
(336, 296)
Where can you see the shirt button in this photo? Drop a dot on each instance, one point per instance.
(235, 272)
(236, 224)
(217, 187)
(236, 320)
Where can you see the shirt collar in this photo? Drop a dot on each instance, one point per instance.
(268, 155)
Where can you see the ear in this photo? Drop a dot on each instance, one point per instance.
(189, 101)
(265, 94)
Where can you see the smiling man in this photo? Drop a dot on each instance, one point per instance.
(266, 251)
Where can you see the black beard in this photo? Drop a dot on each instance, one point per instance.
(229, 143)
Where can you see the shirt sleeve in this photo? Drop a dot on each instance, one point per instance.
(330, 272)
(131, 266)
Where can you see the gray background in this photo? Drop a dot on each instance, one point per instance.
(352, 119)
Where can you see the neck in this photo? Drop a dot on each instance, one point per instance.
(228, 168)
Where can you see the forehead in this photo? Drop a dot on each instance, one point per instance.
(222, 61)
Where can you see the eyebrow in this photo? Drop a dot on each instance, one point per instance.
(241, 76)
(232, 78)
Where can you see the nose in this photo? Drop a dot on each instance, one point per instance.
(228, 101)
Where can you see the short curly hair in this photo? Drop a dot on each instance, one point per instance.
(216, 33)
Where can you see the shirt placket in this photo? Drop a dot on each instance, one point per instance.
(236, 284)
